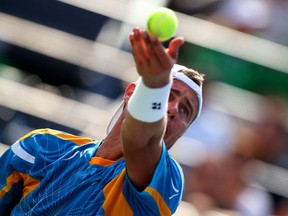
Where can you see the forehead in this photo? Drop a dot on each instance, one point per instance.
(186, 93)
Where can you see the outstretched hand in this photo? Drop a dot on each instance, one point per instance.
(153, 61)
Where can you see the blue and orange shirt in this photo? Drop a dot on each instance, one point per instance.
(49, 172)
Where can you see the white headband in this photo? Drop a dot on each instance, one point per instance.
(176, 75)
(196, 88)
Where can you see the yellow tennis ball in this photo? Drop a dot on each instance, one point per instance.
(162, 23)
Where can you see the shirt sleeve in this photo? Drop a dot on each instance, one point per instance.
(163, 194)
(14, 169)
(24, 164)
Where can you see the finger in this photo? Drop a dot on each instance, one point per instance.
(152, 57)
(141, 46)
(135, 50)
(138, 48)
(159, 51)
(174, 46)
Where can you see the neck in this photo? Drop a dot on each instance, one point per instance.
(112, 148)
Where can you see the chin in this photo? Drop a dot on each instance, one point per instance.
(168, 142)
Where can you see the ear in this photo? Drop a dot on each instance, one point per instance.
(129, 91)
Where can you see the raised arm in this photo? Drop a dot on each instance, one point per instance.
(142, 140)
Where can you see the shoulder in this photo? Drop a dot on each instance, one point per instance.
(50, 142)
(165, 190)
(57, 134)
(168, 180)
(51, 135)
(169, 166)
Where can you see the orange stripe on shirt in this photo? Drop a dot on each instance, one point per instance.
(11, 179)
(163, 208)
(75, 139)
(101, 161)
(115, 202)
(29, 183)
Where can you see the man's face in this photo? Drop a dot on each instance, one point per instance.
(182, 109)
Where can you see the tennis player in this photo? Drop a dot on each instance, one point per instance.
(129, 172)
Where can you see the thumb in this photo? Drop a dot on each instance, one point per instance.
(174, 46)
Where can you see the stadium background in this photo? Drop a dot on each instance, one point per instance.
(65, 64)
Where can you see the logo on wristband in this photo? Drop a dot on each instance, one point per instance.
(156, 105)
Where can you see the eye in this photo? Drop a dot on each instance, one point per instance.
(184, 111)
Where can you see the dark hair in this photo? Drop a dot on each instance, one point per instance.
(194, 75)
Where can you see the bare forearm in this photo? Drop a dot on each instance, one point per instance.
(138, 134)
(142, 147)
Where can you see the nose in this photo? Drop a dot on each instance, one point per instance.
(172, 109)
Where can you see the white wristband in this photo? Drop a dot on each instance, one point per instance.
(149, 104)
